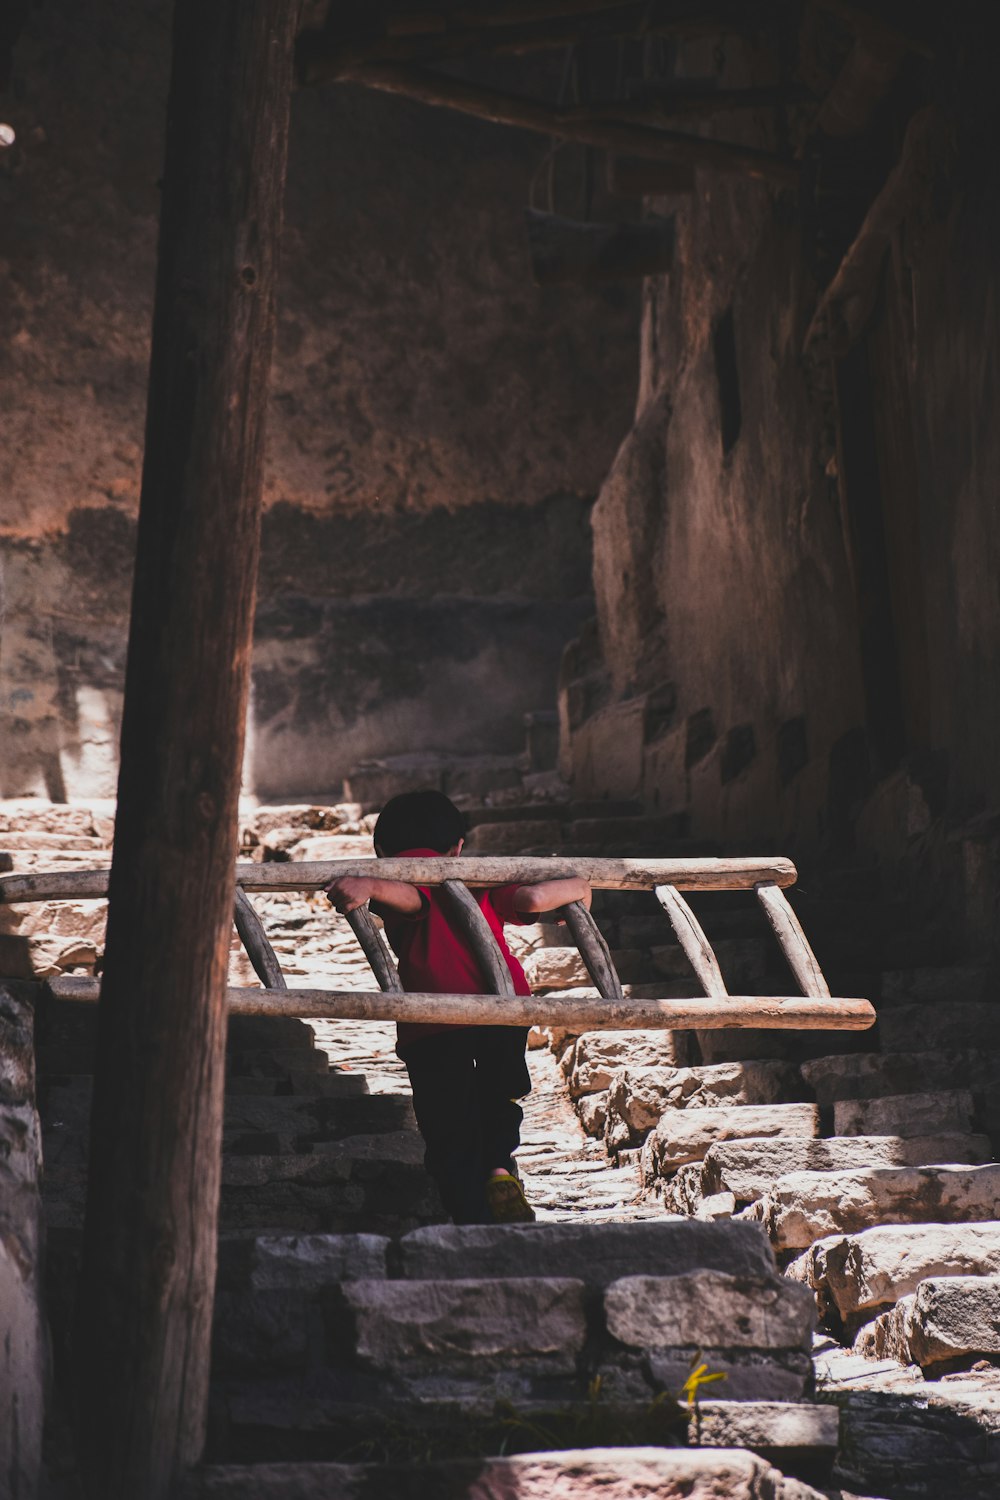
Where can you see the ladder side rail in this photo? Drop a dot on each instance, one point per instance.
(376, 950)
(594, 950)
(468, 916)
(266, 963)
(690, 934)
(792, 940)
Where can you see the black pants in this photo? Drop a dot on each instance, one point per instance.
(465, 1086)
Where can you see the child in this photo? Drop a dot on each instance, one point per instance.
(466, 1080)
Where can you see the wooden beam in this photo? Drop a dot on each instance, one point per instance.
(323, 56)
(697, 949)
(845, 306)
(142, 1340)
(792, 940)
(255, 941)
(441, 90)
(569, 1008)
(477, 870)
(565, 250)
(374, 948)
(469, 918)
(593, 949)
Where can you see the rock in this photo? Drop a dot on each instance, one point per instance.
(306, 1262)
(946, 1319)
(474, 1325)
(936, 1026)
(593, 1112)
(921, 1445)
(599, 1054)
(684, 1135)
(750, 1170)
(858, 1275)
(703, 1308)
(514, 838)
(748, 1375)
(807, 1206)
(870, 1075)
(556, 969)
(571, 1474)
(763, 1424)
(594, 1253)
(638, 1098)
(716, 1206)
(905, 1114)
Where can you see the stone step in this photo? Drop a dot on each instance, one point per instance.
(946, 1323)
(569, 1474)
(939, 1026)
(947, 1112)
(807, 1206)
(873, 1075)
(800, 1439)
(919, 1445)
(857, 1276)
(592, 1060)
(638, 1098)
(686, 1135)
(593, 1253)
(749, 1168)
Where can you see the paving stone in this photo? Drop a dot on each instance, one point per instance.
(572, 1474)
(859, 1275)
(475, 1325)
(763, 1424)
(749, 1170)
(946, 1319)
(595, 1253)
(684, 1135)
(905, 1114)
(807, 1206)
(941, 1026)
(703, 1308)
(638, 1098)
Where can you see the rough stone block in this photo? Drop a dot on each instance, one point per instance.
(684, 1135)
(556, 969)
(750, 1374)
(763, 1424)
(474, 1325)
(703, 1308)
(595, 1253)
(306, 1262)
(858, 1275)
(942, 1026)
(923, 1445)
(871, 1075)
(749, 1170)
(599, 1054)
(905, 1114)
(953, 1318)
(807, 1206)
(572, 1474)
(513, 838)
(638, 1098)
(943, 985)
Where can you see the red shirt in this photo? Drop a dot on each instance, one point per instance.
(432, 955)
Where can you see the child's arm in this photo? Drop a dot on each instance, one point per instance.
(349, 892)
(549, 895)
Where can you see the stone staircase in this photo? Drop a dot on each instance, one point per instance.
(362, 1346)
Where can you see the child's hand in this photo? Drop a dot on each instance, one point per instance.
(348, 893)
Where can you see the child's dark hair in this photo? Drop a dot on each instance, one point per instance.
(418, 820)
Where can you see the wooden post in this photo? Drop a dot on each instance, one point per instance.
(141, 1344)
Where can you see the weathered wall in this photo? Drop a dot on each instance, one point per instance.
(438, 426)
(758, 666)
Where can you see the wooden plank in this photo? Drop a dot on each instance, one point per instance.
(255, 941)
(788, 930)
(593, 949)
(562, 1008)
(440, 90)
(469, 918)
(477, 870)
(564, 250)
(698, 950)
(375, 950)
(141, 1344)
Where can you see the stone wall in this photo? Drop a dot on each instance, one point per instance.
(439, 426)
(797, 605)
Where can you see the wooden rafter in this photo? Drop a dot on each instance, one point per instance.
(447, 92)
